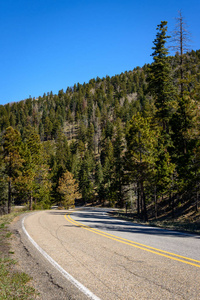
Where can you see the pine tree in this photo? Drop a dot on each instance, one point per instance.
(107, 161)
(30, 179)
(163, 177)
(86, 177)
(141, 157)
(11, 159)
(91, 138)
(119, 163)
(3, 184)
(68, 189)
(61, 161)
(99, 179)
(48, 126)
(159, 78)
(183, 119)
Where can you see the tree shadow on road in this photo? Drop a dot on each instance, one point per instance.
(101, 221)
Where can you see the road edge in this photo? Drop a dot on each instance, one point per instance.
(67, 276)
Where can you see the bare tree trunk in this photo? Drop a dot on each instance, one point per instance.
(197, 201)
(9, 196)
(145, 209)
(138, 200)
(155, 202)
(173, 215)
(180, 39)
(143, 201)
(31, 202)
(197, 193)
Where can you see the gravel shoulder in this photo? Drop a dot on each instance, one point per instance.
(47, 281)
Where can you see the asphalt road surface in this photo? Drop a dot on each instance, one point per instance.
(107, 258)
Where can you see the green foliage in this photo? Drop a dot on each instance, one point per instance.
(13, 285)
(68, 189)
(118, 151)
(11, 159)
(34, 182)
(82, 131)
(86, 177)
(159, 78)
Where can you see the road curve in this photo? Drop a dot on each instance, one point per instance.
(115, 259)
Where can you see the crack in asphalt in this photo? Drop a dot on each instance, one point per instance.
(82, 264)
(52, 280)
(33, 261)
(151, 281)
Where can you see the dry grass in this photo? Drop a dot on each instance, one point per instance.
(13, 285)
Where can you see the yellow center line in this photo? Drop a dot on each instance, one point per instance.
(135, 244)
(132, 242)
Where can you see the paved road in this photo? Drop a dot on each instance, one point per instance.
(114, 259)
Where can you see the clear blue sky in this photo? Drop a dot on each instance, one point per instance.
(48, 45)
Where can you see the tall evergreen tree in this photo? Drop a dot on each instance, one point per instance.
(119, 163)
(107, 160)
(3, 184)
(141, 157)
(159, 78)
(31, 179)
(183, 120)
(86, 177)
(12, 159)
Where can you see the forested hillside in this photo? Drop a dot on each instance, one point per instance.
(131, 139)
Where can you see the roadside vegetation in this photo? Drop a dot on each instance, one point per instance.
(13, 284)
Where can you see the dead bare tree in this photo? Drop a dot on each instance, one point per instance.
(180, 39)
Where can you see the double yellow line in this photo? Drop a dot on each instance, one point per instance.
(160, 252)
